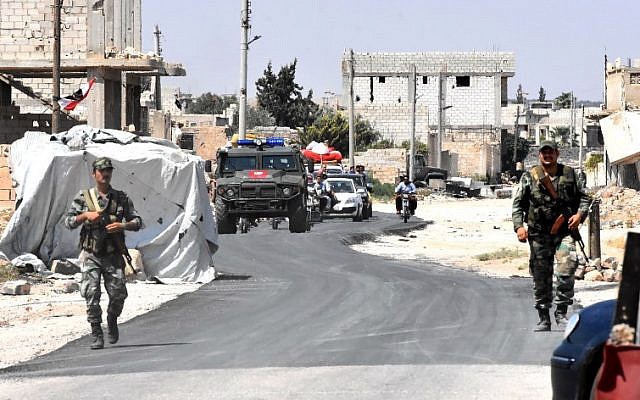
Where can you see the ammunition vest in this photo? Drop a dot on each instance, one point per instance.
(94, 237)
(543, 209)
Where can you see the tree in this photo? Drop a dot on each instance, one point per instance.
(258, 116)
(208, 103)
(564, 100)
(334, 127)
(560, 134)
(541, 94)
(420, 148)
(282, 97)
(519, 95)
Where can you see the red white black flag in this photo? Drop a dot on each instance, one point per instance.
(70, 102)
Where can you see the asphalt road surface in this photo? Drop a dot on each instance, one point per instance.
(302, 316)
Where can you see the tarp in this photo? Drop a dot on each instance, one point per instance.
(167, 186)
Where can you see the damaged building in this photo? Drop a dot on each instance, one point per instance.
(99, 39)
(458, 98)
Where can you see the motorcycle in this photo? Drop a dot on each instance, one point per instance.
(405, 214)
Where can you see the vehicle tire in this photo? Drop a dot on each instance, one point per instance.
(244, 225)
(366, 213)
(358, 216)
(297, 216)
(274, 223)
(405, 215)
(226, 223)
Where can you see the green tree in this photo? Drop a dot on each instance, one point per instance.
(421, 148)
(334, 127)
(208, 103)
(282, 97)
(506, 150)
(541, 94)
(564, 100)
(258, 116)
(560, 134)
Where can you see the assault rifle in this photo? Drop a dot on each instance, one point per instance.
(565, 214)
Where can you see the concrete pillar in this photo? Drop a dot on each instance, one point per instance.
(5, 94)
(104, 108)
(96, 102)
(95, 29)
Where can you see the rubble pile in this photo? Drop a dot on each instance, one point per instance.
(619, 207)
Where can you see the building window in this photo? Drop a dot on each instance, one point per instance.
(634, 78)
(381, 79)
(425, 80)
(463, 81)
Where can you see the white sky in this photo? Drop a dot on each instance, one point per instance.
(559, 44)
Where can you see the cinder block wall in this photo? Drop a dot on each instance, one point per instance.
(7, 194)
(26, 33)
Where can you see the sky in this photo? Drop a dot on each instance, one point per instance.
(558, 44)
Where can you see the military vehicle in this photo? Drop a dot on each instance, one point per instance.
(260, 179)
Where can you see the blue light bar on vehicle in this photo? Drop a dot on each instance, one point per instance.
(246, 142)
(275, 141)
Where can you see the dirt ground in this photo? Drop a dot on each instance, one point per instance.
(459, 230)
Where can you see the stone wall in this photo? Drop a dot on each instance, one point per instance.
(383, 164)
(7, 194)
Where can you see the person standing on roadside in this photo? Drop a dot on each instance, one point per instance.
(552, 203)
(104, 213)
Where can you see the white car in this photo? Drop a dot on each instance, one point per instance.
(349, 200)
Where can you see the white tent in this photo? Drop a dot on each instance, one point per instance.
(167, 186)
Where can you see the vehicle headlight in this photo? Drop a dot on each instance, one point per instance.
(229, 192)
(350, 200)
(571, 324)
(287, 191)
(221, 189)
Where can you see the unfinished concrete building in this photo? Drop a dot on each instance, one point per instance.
(458, 97)
(101, 39)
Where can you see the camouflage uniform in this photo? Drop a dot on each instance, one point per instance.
(533, 205)
(99, 256)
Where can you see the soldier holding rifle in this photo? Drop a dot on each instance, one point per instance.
(551, 202)
(104, 213)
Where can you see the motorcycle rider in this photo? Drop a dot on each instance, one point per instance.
(324, 192)
(406, 186)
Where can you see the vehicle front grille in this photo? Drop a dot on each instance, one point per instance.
(258, 190)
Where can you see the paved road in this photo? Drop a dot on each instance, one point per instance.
(302, 316)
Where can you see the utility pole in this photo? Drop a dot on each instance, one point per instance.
(412, 103)
(572, 128)
(55, 115)
(158, 91)
(244, 48)
(581, 140)
(515, 138)
(438, 150)
(352, 118)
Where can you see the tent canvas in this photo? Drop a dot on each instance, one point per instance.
(167, 186)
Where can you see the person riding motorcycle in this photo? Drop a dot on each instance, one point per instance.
(406, 186)
(323, 190)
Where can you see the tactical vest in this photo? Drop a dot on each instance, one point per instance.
(94, 237)
(543, 209)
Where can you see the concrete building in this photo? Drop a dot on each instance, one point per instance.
(101, 39)
(458, 100)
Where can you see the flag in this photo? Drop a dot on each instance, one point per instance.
(178, 103)
(70, 102)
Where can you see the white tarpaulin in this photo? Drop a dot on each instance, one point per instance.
(167, 186)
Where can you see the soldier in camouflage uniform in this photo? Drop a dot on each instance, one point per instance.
(104, 213)
(534, 205)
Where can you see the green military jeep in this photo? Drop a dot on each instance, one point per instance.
(260, 179)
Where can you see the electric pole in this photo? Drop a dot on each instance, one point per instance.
(352, 157)
(244, 49)
(158, 91)
(412, 103)
(515, 138)
(55, 114)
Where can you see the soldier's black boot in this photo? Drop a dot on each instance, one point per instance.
(561, 315)
(544, 324)
(96, 335)
(112, 323)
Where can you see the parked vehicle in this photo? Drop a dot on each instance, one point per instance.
(349, 200)
(576, 361)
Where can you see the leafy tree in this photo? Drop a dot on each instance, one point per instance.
(519, 95)
(334, 127)
(564, 100)
(541, 94)
(561, 134)
(506, 151)
(283, 99)
(258, 116)
(208, 103)
(382, 144)
(421, 148)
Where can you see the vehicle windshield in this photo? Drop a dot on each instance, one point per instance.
(232, 164)
(285, 162)
(342, 186)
